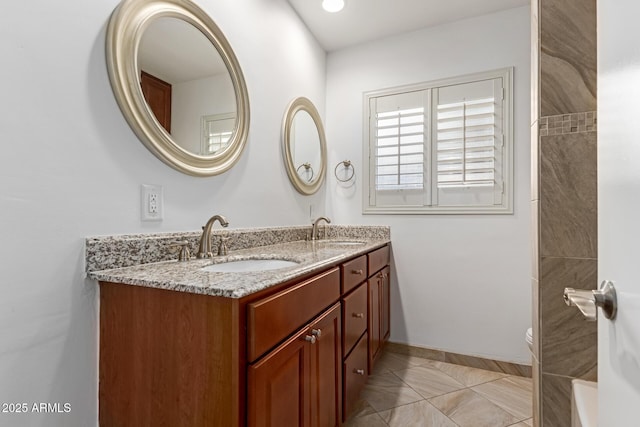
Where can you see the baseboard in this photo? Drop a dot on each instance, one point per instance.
(460, 359)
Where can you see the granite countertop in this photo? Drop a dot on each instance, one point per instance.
(189, 277)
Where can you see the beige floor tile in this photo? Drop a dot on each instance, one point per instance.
(428, 381)
(389, 362)
(419, 414)
(513, 394)
(467, 375)
(361, 408)
(469, 409)
(387, 391)
(525, 423)
(372, 420)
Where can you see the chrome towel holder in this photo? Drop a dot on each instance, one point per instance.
(347, 165)
(307, 166)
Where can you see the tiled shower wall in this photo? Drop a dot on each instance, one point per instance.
(563, 200)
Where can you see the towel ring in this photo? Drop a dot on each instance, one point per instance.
(306, 166)
(347, 164)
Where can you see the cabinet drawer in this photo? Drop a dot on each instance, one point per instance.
(378, 259)
(355, 317)
(354, 375)
(353, 273)
(272, 319)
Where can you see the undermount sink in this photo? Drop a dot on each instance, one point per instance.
(247, 265)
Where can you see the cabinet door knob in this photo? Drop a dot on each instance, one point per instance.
(358, 315)
(358, 371)
(358, 272)
(310, 338)
(316, 332)
(380, 276)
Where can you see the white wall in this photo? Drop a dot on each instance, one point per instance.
(71, 167)
(461, 282)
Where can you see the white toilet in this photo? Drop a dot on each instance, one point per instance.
(529, 338)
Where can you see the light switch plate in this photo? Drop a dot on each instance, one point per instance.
(151, 202)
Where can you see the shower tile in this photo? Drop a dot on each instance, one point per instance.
(535, 239)
(568, 196)
(535, 66)
(568, 341)
(536, 408)
(568, 56)
(556, 400)
(535, 161)
(469, 409)
(416, 414)
(513, 394)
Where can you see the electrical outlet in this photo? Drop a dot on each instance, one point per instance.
(151, 202)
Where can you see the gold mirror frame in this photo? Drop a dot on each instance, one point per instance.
(303, 187)
(126, 26)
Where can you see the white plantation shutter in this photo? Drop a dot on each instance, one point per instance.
(468, 151)
(466, 143)
(399, 133)
(441, 147)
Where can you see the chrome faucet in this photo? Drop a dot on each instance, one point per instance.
(204, 250)
(314, 228)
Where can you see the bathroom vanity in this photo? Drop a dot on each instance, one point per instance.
(287, 347)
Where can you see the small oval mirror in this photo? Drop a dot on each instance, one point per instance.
(178, 84)
(304, 146)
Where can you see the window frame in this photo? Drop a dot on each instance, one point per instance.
(506, 207)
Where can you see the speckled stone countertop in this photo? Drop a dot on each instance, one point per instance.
(190, 277)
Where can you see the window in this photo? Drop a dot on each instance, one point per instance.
(217, 130)
(440, 147)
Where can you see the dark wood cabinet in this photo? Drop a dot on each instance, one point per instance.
(379, 303)
(355, 375)
(295, 354)
(299, 383)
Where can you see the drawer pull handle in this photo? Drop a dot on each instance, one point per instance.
(316, 333)
(358, 371)
(358, 272)
(310, 338)
(358, 315)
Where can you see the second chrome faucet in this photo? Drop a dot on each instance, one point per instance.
(204, 250)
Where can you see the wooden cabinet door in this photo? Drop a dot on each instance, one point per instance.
(374, 284)
(299, 383)
(385, 305)
(326, 369)
(278, 386)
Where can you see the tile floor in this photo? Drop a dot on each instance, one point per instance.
(409, 391)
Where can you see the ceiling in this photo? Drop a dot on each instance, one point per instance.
(364, 20)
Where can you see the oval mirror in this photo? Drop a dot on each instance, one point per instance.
(178, 84)
(304, 146)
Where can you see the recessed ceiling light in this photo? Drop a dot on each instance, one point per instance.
(333, 5)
